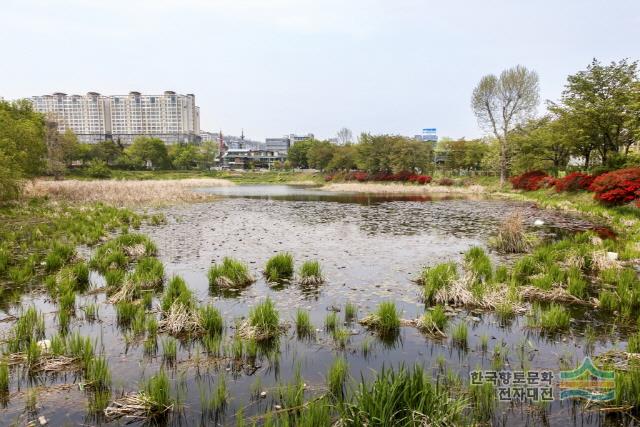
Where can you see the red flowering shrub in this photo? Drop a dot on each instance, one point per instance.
(531, 181)
(328, 178)
(575, 181)
(618, 187)
(445, 181)
(423, 179)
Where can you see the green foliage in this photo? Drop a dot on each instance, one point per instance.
(304, 327)
(158, 393)
(350, 311)
(265, 318)
(98, 169)
(331, 321)
(231, 273)
(439, 277)
(22, 146)
(149, 273)
(279, 267)
(117, 253)
(147, 153)
(479, 263)
(405, 397)
(177, 292)
(554, 319)
(336, 377)
(4, 378)
(98, 374)
(310, 272)
(211, 320)
(459, 334)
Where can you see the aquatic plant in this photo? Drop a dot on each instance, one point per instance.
(483, 401)
(331, 321)
(117, 253)
(157, 393)
(98, 374)
(512, 236)
(336, 377)
(350, 311)
(405, 396)
(211, 320)
(126, 311)
(264, 321)
(58, 256)
(434, 321)
(459, 334)
(4, 377)
(29, 327)
(341, 337)
(80, 348)
(279, 267)
(555, 318)
(304, 327)
(231, 273)
(633, 343)
(438, 277)
(311, 273)
(177, 292)
(149, 273)
(386, 319)
(169, 350)
(478, 262)
(237, 348)
(576, 284)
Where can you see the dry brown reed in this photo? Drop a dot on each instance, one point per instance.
(124, 192)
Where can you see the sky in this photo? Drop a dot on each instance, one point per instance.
(274, 67)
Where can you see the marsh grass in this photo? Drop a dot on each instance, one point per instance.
(459, 334)
(386, 319)
(350, 312)
(406, 396)
(59, 255)
(149, 273)
(177, 292)
(169, 350)
(304, 327)
(483, 401)
(311, 273)
(231, 273)
(211, 320)
(119, 252)
(341, 337)
(263, 322)
(331, 321)
(434, 322)
(98, 374)
(576, 284)
(29, 327)
(336, 377)
(477, 261)
(4, 378)
(512, 236)
(158, 391)
(553, 319)
(279, 267)
(438, 277)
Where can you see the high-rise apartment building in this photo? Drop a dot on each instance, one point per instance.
(94, 117)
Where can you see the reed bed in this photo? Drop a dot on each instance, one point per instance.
(125, 192)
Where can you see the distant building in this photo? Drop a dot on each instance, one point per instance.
(93, 117)
(278, 144)
(283, 144)
(245, 158)
(297, 138)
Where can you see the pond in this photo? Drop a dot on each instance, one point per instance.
(371, 249)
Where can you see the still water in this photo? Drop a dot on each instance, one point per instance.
(371, 248)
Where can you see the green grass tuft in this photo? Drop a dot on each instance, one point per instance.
(436, 278)
(279, 267)
(231, 273)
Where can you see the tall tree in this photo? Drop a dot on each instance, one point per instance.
(344, 136)
(603, 104)
(148, 152)
(501, 103)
